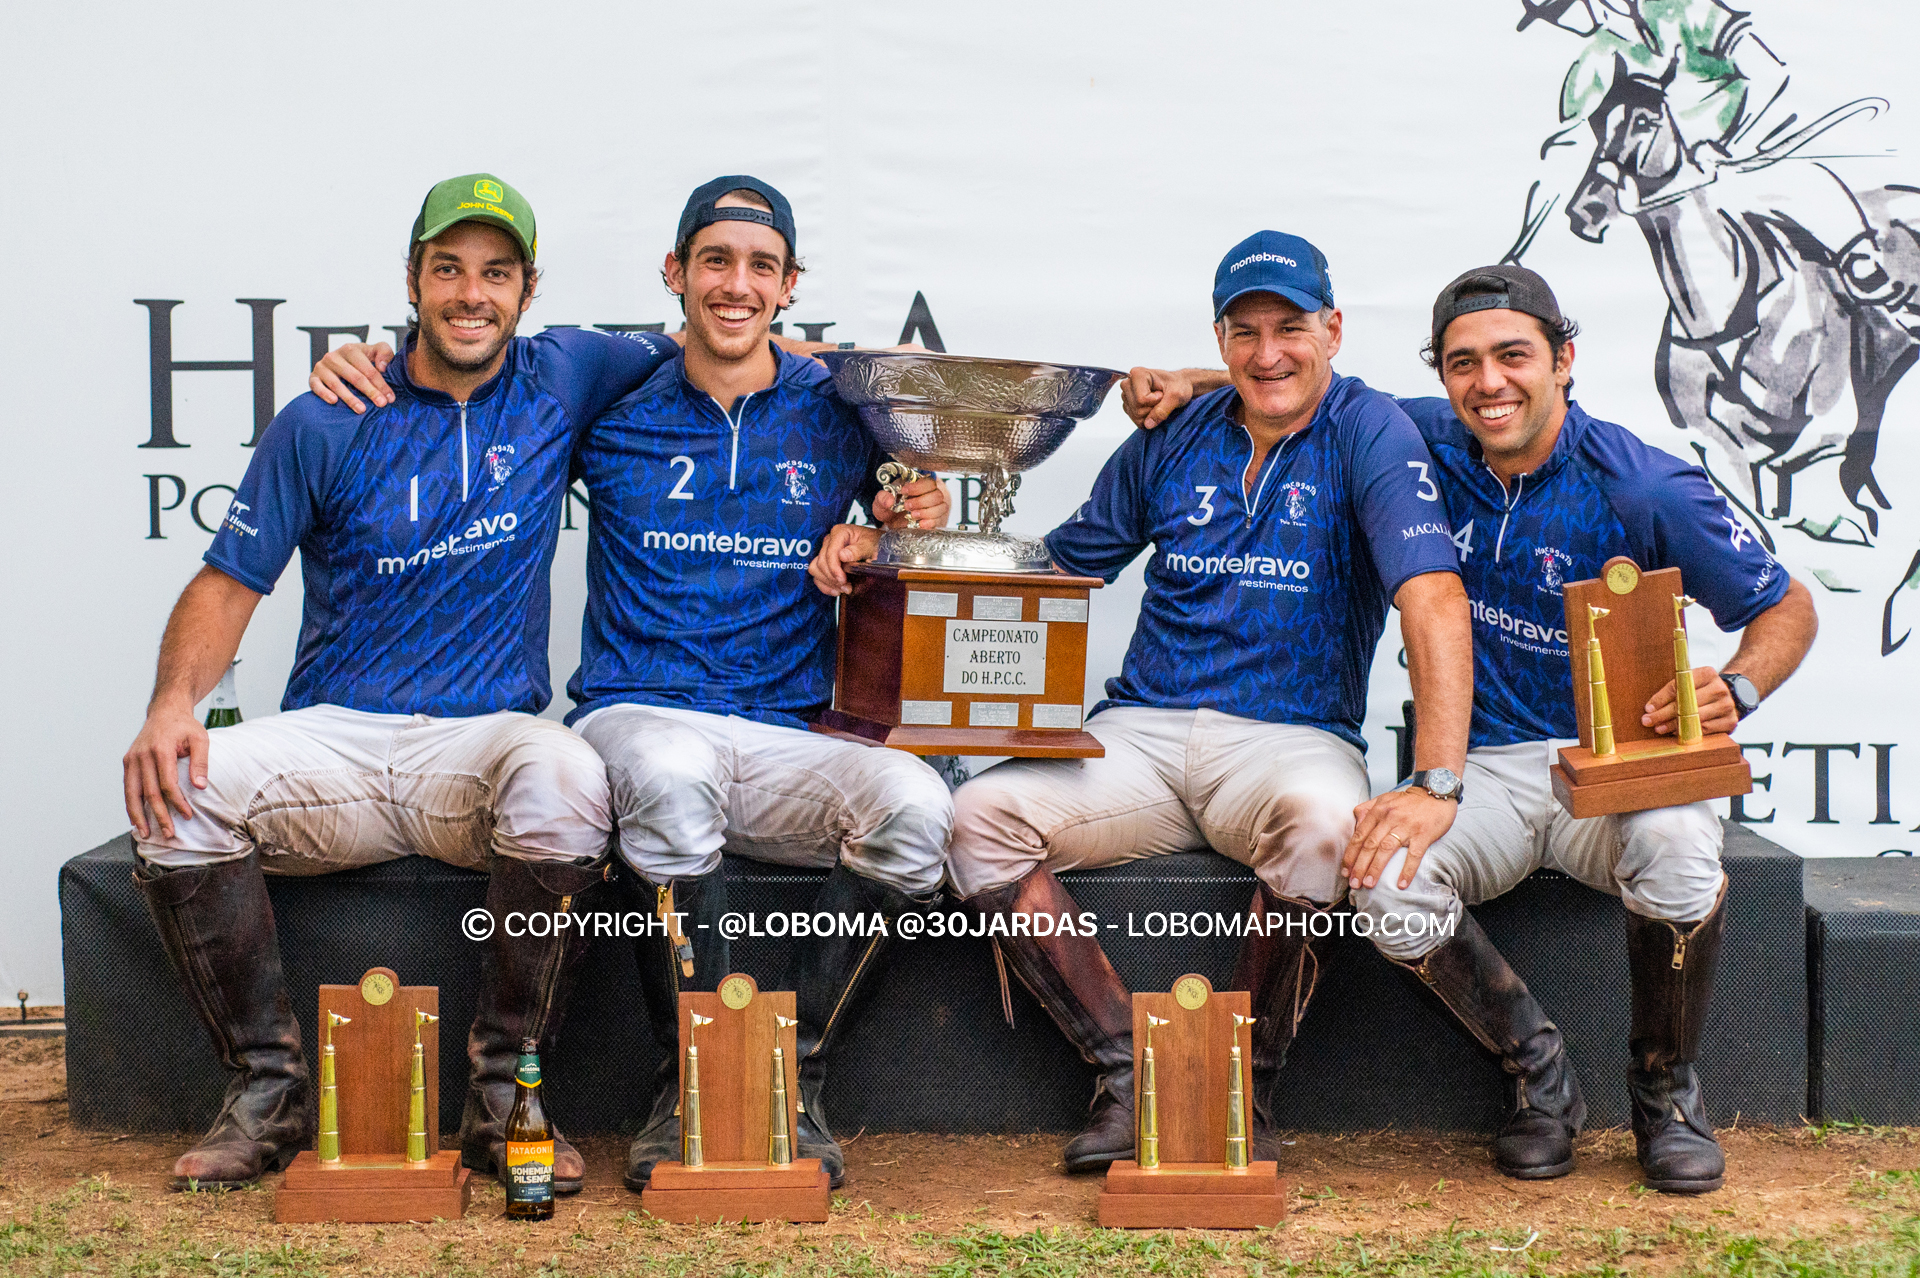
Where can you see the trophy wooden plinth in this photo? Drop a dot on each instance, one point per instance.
(372, 1189)
(941, 661)
(1642, 642)
(1191, 1113)
(368, 1065)
(1192, 1196)
(735, 1113)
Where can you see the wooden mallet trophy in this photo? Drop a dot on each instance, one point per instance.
(739, 1094)
(1627, 639)
(1192, 1050)
(378, 1157)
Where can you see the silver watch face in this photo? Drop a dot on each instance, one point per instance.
(1442, 783)
(1745, 695)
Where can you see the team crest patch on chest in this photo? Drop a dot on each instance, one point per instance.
(1553, 569)
(1296, 501)
(796, 482)
(499, 465)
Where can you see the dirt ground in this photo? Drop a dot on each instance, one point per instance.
(75, 1201)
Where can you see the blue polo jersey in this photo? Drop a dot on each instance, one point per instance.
(1267, 607)
(702, 524)
(426, 528)
(1602, 492)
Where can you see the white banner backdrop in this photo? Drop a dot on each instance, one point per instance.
(1056, 180)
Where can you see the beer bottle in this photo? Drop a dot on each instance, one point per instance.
(529, 1143)
(223, 708)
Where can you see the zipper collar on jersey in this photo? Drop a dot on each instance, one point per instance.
(785, 366)
(1277, 455)
(1507, 496)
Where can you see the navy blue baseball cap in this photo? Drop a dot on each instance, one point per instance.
(700, 211)
(1273, 262)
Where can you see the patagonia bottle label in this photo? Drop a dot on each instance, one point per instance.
(528, 1071)
(529, 1171)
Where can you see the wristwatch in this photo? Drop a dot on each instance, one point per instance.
(1441, 783)
(1746, 697)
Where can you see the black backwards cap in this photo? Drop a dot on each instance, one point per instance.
(700, 211)
(1493, 288)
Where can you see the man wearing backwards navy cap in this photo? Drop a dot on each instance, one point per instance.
(706, 650)
(1541, 494)
(1286, 511)
(426, 531)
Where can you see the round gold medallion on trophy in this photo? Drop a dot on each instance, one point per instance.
(376, 987)
(1190, 992)
(1622, 577)
(736, 992)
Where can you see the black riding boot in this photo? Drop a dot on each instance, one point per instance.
(694, 960)
(1074, 982)
(523, 994)
(833, 978)
(1545, 1110)
(216, 925)
(1673, 966)
(1279, 968)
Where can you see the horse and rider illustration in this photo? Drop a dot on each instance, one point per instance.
(1777, 317)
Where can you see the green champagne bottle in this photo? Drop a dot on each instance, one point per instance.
(529, 1171)
(223, 708)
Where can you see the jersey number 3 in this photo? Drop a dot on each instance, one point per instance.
(1425, 490)
(1204, 516)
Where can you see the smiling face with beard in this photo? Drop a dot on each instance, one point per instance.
(469, 287)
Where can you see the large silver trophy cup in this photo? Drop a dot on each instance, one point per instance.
(961, 415)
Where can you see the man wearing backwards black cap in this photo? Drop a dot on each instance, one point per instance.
(426, 530)
(1541, 494)
(1286, 511)
(705, 652)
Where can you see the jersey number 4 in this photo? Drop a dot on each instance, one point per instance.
(1463, 541)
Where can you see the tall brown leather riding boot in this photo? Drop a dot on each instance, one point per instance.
(523, 994)
(1545, 1109)
(216, 925)
(1070, 976)
(1279, 968)
(1673, 966)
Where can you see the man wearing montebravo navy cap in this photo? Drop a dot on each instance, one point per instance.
(706, 650)
(1286, 511)
(1541, 494)
(426, 533)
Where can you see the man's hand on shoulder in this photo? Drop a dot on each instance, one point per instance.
(353, 366)
(151, 768)
(846, 544)
(1152, 395)
(928, 502)
(1409, 818)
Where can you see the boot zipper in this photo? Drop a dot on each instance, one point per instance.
(1679, 950)
(834, 1015)
(663, 908)
(549, 982)
(682, 947)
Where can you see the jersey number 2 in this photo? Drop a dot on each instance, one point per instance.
(680, 492)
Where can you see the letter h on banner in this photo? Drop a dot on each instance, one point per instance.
(163, 365)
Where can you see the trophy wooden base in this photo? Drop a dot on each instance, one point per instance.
(372, 1189)
(1026, 743)
(1192, 1196)
(946, 661)
(1659, 773)
(730, 1192)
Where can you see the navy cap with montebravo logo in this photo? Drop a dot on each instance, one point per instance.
(476, 197)
(700, 210)
(1273, 262)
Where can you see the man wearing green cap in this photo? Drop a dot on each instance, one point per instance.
(426, 529)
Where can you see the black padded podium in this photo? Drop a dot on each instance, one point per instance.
(935, 1054)
(1863, 970)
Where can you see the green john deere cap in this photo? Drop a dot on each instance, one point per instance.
(477, 197)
